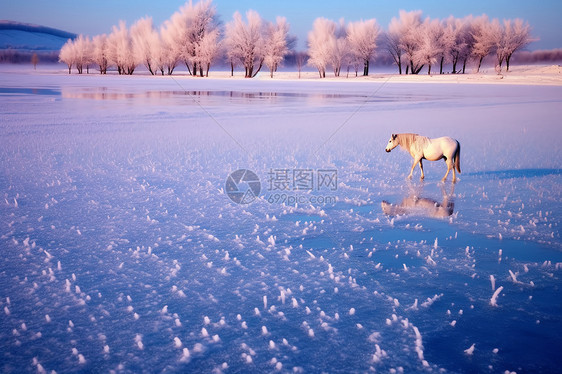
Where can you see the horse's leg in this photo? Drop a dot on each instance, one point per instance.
(421, 168)
(416, 160)
(454, 174)
(449, 167)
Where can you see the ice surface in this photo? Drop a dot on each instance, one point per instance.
(114, 216)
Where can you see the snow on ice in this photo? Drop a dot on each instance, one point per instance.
(122, 250)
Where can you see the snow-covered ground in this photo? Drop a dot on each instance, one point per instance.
(519, 75)
(121, 250)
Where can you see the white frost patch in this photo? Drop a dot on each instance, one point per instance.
(295, 303)
(493, 300)
(431, 300)
(247, 358)
(430, 261)
(185, 355)
(414, 305)
(374, 337)
(419, 346)
(177, 342)
(138, 340)
(469, 351)
(379, 354)
(513, 277)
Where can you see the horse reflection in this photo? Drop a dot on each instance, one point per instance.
(414, 204)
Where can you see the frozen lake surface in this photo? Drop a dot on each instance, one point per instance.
(121, 250)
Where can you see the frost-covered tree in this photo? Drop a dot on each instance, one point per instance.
(300, 61)
(485, 38)
(339, 48)
(159, 57)
(459, 32)
(145, 42)
(188, 29)
(67, 55)
(230, 49)
(120, 49)
(339, 54)
(450, 29)
(276, 44)
(467, 44)
(429, 45)
(34, 60)
(498, 35)
(245, 42)
(76, 53)
(362, 38)
(319, 42)
(208, 50)
(517, 34)
(328, 45)
(410, 24)
(99, 52)
(82, 52)
(231, 54)
(355, 62)
(411, 41)
(170, 54)
(393, 42)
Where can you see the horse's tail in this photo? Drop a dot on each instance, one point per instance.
(458, 157)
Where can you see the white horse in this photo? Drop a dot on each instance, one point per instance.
(421, 147)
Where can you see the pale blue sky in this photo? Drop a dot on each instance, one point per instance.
(97, 16)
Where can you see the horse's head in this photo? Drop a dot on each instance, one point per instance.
(392, 143)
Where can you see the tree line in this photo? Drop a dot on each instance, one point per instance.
(194, 37)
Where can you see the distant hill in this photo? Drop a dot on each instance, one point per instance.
(19, 41)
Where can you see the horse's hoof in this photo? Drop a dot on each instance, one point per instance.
(422, 178)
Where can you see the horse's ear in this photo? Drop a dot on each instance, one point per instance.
(394, 136)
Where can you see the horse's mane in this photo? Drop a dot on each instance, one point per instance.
(412, 142)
